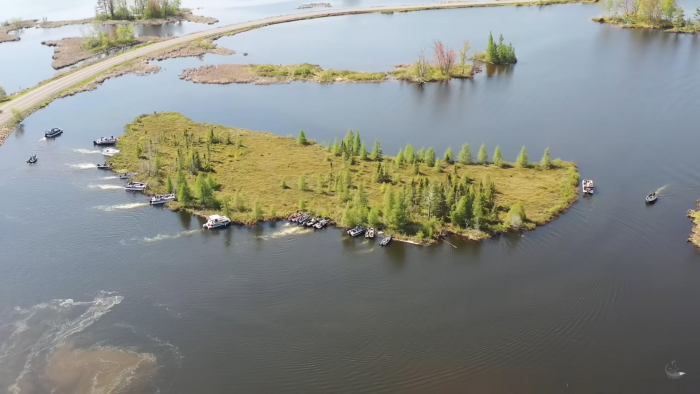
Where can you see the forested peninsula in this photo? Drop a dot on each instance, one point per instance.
(254, 176)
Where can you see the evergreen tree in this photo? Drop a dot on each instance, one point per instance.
(477, 210)
(301, 183)
(448, 157)
(497, 158)
(462, 214)
(409, 155)
(482, 157)
(416, 168)
(203, 191)
(184, 195)
(363, 151)
(257, 211)
(337, 151)
(438, 202)
(169, 185)
(226, 209)
(389, 201)
(521, 161)
(377, 151)
(399, 159)
(211, 138)
(360, 199)
(516, 215)
(420, 155)
(373, 218)
(502, 51)
(465, 155)
(546, 162)
(430, 157)
(301, 139)
(491, 51)
(357, 144)
(348, 141)
(399, 213)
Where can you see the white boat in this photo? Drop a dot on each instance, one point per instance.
(136, 186)
(386, 240)
(217, 221)
(321, 223)
(127, 175)
(105, 141)
(587, 186)
(358, 230)
(160, 199)
(110, 151)
(672, 371)
(370, 232)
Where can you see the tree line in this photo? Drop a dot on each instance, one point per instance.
(661, 13)
(137, 9)
(500, 53)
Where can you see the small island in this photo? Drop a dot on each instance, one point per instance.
(254, 176)
(695, 234)
(651, 14)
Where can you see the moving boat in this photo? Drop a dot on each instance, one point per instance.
(105, 166)
(370, 232)
(672, 371)
(160, 199)
(136, 186)
(53, 133)
(127, 175)
(358, 230)
(587, 186)
(651, 198)
(386, 240)
(110, 151)
(32, 159)
(217, 221)
(105, 141)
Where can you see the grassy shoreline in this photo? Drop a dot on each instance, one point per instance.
(694, 237)
(628, 23)
(257, 176)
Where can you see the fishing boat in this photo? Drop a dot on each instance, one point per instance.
(587, 186)
(651, 198)
(293, 217)
(105, 166)
(313, 221)
(136, 186)
(370, 232)
(127, 175)
(32, 159)
(217, 221)
(672, 371)
(322, 223)
(358, 230)
(53, 133)
(105, 141)
(160, 199)
(302, 219)
(110, 151)
(386, 240)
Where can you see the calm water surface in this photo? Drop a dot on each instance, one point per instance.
(600, 299)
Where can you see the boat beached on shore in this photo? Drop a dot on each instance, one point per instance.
(127, 175)
(217, 221)
(160, 199)
(136, 186)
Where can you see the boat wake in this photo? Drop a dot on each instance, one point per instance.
(661, 189)
(287, 231)
(105, 187)
(87, 151)
(109, 208)
(34, 334)
(41, 139)
(82, 166)
(163, 237)
(110, 177)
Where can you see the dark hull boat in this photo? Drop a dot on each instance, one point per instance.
(104, 141)
(386, 240)
(105, 166)
(53, 133)
(32, 159)
(650, 199)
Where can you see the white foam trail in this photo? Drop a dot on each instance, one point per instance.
(105, 187)
(58, 331)
(110, 177)
(109, 208)
(661, 189)
(87, 151)
(82, 166)
(163, 237)
(287, 231)
(41, 139)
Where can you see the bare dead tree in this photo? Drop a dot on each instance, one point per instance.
(463, 54)
(421, 66)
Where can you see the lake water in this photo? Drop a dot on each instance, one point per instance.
(600, 300)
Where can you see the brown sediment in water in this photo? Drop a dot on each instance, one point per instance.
(69, 51)
(694, 237)
(76, 371)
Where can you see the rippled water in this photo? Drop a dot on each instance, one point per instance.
(599, 300)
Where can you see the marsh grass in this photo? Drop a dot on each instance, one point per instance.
(312, 72)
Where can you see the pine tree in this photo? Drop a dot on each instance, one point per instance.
(257, 211)
(337, 151)
(546, 162)
(301, 183)
(416, 168)
(482, 157)
(420, 155)
(497, 158)
(399, 213)
(438, 202)
(521, 161)
(399, 160)
(360, 199)
(462, 213)
(448, 157)
(491, 51)
(516, 215)
(348, 141)
(357, 144)
(465, 155)
(301, 139)
(409, 155)
(373, 218)
(502, 51)
(377, 151)
(363, 151)
(184, 195)
(389, 201)
(169, 185)
(430, 157)
(477, 210)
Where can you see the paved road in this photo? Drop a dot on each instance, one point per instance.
(47, 91)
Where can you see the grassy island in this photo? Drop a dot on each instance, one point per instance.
(650, 14)
(253, 176)
(695, 234)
